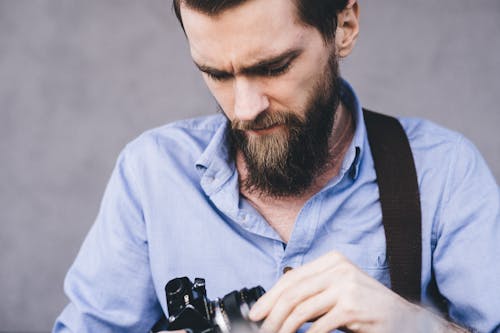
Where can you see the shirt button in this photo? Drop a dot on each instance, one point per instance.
(287, 269)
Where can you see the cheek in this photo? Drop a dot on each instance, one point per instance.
(293, 90)
(290, 93)
(223, 94)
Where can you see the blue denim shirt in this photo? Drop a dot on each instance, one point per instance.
(172, 208)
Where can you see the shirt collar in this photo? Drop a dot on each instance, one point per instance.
(352, 160)
(216, 165)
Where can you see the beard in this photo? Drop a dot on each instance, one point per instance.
(286, 162)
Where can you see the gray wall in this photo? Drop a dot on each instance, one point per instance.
(80, 78)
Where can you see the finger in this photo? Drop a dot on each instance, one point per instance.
(332, 320)
(264, 305)
(311, 309)
(293, 297)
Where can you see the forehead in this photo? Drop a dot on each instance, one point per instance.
(239, 35)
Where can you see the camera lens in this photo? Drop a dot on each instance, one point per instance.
(232, 311)
(252, 295)
(232, 305)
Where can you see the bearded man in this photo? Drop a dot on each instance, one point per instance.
(283, 178)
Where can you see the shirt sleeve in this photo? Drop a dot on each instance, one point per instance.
(109, 285)
(467, 251)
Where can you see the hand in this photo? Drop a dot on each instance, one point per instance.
(337, 295)
(188, 331)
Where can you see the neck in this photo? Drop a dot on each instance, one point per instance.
(340, 139)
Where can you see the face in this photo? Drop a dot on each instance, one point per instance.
(275, 80)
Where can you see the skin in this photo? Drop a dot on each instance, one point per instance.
(238, 67)
(246, 36)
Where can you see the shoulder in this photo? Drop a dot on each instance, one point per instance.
(429, 136)
(438, 148)
(187, 137)
(172, 148)
(451, 171)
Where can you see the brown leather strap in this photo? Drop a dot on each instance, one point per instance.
(400, 202)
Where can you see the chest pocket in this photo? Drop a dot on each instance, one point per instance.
(371, 260)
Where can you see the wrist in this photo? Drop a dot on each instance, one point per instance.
(428, 321)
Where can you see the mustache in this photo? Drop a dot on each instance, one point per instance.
(267, 119)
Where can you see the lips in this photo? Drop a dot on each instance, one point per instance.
(256, 128)
(264, 130)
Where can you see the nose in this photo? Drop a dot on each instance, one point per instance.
(249, 99)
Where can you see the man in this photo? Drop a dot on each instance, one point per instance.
(284, 177)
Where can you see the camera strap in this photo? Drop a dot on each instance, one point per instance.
(399, 200)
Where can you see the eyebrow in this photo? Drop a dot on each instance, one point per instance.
(288, 55)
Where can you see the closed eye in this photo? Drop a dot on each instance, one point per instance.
(273, 68)
(218, 76)
(264, 71)
(275, 71)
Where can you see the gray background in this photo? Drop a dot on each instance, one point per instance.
(80, 78)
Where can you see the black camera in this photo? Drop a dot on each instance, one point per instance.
(189, 308)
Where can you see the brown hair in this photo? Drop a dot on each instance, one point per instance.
(321, 14)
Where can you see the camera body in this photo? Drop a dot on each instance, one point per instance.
(189, 308)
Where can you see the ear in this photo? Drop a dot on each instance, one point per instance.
(347, 29)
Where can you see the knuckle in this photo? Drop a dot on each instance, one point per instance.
(335, 255)
(319, 326)
(270, 325)
(351, 288)
(340, 256)
(300, 313)
(285, 300)
(294, 321)
(291, 297)
(348, 268)
(291, 325)
(348, 309)
(344, 269)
